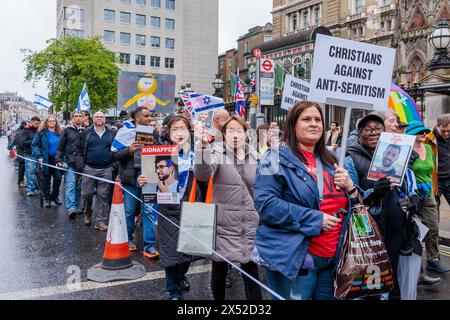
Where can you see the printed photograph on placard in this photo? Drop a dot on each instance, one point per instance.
(161, 170)
(144, 137)
(391, 157)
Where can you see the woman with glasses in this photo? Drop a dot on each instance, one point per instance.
(176, 264)
(233, 165)
(44, 147)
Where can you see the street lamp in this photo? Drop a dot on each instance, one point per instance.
(439, 40)
(188, 88)
(218, 85)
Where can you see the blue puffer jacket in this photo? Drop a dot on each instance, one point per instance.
(40, 148)
(287, 199)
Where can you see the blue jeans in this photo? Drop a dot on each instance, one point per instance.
(30, 171)
(174, 276)
(73, 189)
(314, 284)
(148, 218)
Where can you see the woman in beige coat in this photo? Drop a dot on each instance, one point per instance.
(233, 165)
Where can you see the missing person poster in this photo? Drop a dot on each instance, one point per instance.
(391, 157)
(144, 137)
(161, 170)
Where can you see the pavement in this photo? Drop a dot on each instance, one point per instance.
(45, 256)
(444, 226)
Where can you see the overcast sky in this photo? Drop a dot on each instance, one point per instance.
(29, 23)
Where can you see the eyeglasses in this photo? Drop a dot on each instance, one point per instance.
(160, 167)
(369, 131)
(180, 130)
(230, 132)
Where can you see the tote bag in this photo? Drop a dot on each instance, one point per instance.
(199, 220)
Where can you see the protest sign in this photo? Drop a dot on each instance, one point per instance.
(295, 90)
(351, 71)
(161, 170)
(391, 157)
(144, 137)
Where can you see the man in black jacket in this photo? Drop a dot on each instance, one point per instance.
(70, 153)
(23, 140)
(96, 145)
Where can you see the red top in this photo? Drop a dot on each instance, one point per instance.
(325, 245)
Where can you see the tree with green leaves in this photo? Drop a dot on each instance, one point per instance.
(67, 64)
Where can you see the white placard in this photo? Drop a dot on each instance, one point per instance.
(351, 71)
(267, 82)
(295, 90)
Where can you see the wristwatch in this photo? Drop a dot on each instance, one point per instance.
(352, 190)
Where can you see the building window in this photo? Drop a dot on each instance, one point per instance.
(388, 25)
(156, 22)
(156, 42)
(170, 63)
(170, 43)
(125, 38)
(382, 26)
(359, 6)
(308, 68)
(386, 2)
(141, 2)
(74, 33)
(267, 38)
(109, 36)
(125, 58)
(306, 18)
(140, 39)
(125, 17)
(140, 60)
(141, 20)
(156, 3)
(155, 62)
(76, 14)
(294, 22)
(125, 1)
(109, 15)
(170, 24)
(170, 4)
(317, 16)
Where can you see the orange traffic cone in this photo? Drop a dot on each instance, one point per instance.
(116, 264)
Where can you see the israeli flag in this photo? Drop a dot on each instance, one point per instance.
(83, 101)
(41, 102)
(205, 103)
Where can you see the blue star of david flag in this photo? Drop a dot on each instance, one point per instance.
(83, 101)
(204, 103)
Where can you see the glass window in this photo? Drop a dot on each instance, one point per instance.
(125, 1)
(294, 22)
(140, 20)
(317, 16)
(125, 58)
(156, 22)
(141, 2)
(74, 33)
(156, 3)
(140, 39)
(306, 19)
(359, 6)
(125, 17)
(72, 13)
(125, 37)
(109, 15)
(156, 42)
(170, 43)
(140, 60)
(170, 4)
(170, 24)
(170, 63)
(155, 61)
(109, 36)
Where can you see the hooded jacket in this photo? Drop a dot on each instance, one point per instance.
(70, 147)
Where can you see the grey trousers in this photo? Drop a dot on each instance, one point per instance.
(429, 216)
(100, 189)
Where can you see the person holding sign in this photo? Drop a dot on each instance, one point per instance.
(233, 165)
(303, 206)
(391, 205)
(123, 150)
(176, 264)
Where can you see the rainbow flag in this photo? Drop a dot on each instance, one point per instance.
(403, 105)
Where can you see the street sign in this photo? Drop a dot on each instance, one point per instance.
(267, 66)
(257, 53)
(267, 82)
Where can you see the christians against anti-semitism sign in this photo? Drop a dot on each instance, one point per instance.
(351, 71)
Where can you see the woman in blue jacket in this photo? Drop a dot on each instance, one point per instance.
(300, 193)
(44, 147)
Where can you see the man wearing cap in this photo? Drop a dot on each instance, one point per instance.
(382, 197)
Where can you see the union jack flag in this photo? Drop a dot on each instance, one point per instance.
(187, 103)
(240, 98)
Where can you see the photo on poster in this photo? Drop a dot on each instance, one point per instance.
(161, 170)
(391, 157)
(144, 138)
